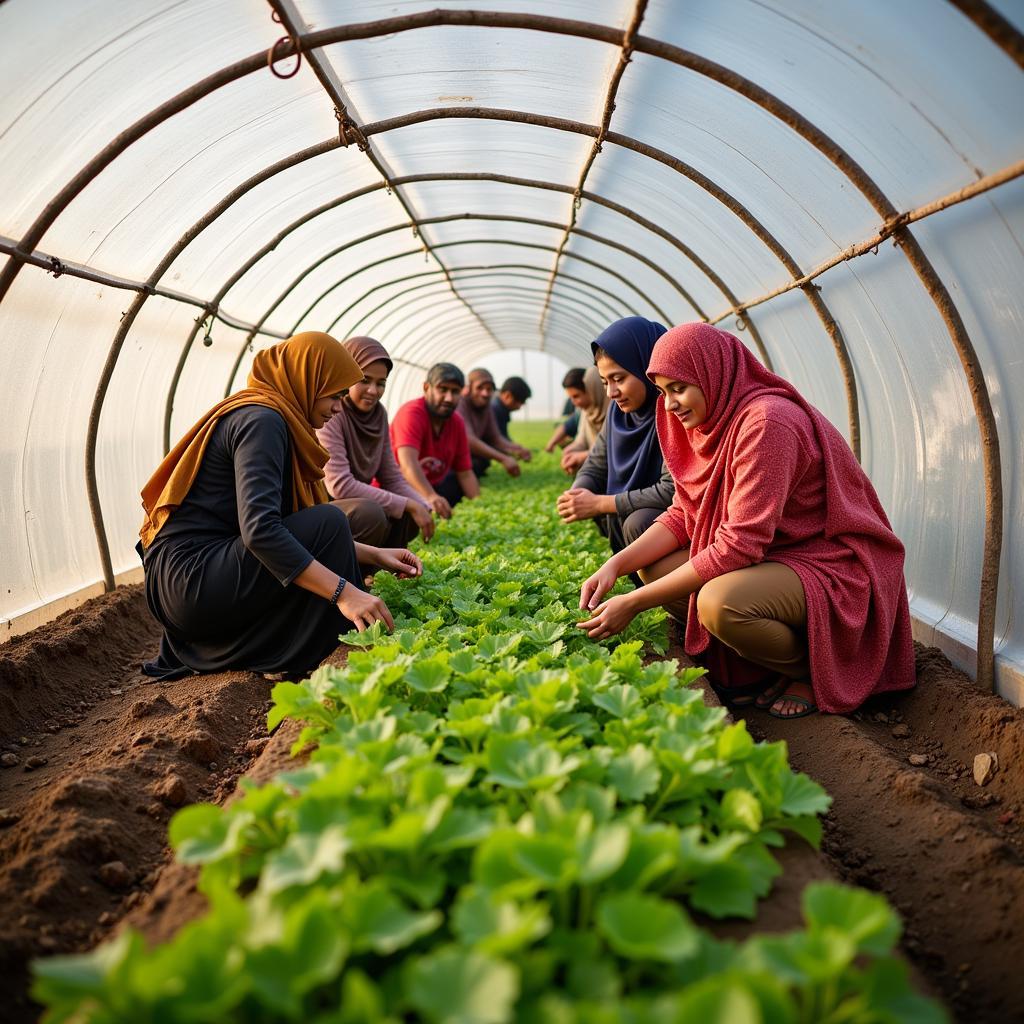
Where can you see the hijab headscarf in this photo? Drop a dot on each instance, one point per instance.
(852, 575)
(634, 457)
(594, 415)
(289, 377)
(365, 433)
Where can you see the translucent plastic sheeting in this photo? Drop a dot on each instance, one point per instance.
(321, 14)
(791, 188)
(916, 93)
(63, 63)
(268, 209)
(448, 198)
(49, 548)
(979, 244)
(343, 227)
(921, 444)
(480, 146)
(687, 212)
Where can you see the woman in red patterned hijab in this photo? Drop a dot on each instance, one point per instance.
(776, 550)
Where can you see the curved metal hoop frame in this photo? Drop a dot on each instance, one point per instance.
(1000, 31)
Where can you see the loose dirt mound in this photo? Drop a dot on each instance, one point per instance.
(82, 847)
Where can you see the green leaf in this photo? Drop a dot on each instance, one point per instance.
(863, 916)
(304, 859)
(428, 675)
(720, 1000)
(378, 920)
(621, 700)
(801, 795)
(519, 763)
(456, 986)
(887, 991)
(496, 925)
(203, 833)
(634, 774)
(741, 810)
(642, 927)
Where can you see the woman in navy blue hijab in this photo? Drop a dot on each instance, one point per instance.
(624, 485)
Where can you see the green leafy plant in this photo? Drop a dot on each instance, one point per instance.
(500, 820)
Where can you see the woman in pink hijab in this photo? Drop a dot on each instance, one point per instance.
(776, 551)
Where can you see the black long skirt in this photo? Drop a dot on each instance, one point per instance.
(221, 609)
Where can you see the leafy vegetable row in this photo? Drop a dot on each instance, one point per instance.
(501, 821)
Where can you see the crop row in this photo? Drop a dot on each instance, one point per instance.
(500, 820)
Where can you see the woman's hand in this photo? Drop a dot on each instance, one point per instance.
(401, 562)
(511, 466)
(363, 609)
(594, 588)
(421, 517)
(578, 503)
(439, 505)
(611, 617)
(572, 460)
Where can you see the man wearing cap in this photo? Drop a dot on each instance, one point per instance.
(430, 443)
(485, 440)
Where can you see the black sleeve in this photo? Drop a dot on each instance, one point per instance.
(658, 495)
(593, 474)
(260, 450)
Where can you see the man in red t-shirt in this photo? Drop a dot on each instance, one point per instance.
(430, 443)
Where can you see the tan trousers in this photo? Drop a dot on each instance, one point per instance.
(760, 612)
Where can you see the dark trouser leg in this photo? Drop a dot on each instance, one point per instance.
(622, 532)
(233, 614)
(367, 518)
(480, 465)
(401, 532)
(450, 489)
(637, 523)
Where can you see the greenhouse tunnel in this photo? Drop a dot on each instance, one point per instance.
(839, 184)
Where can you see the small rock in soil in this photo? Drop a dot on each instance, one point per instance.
(882, 717)
(106, 918)
(114, 875)
(985, 766)
(35, 761)
(1007, 818)
(901, 732)
(918, 760)
(9, 760)
(257, 746)
(115, 692)
(172, 791)
(9, 818)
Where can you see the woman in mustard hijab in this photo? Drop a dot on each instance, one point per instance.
(248, 565)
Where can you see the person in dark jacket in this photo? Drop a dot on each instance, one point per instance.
(248, 565)
(623, 485)
(514, 394)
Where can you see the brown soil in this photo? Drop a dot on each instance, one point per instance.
(119, 753)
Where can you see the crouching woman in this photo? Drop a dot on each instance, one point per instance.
(248, 565)
(776, 551)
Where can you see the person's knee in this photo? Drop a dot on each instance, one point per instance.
(369, 522)
(713, 610)
(636, 524)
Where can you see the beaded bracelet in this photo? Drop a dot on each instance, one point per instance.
(337, 590)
